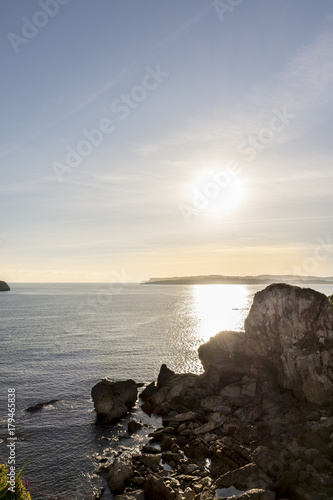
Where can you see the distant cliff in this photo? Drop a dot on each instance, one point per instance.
(4, 287)
(264, 279)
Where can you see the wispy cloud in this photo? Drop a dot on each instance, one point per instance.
(303, 84)
(171, 38)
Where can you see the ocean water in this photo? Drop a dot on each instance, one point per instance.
(58, 340)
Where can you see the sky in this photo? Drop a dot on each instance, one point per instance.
(153, 138)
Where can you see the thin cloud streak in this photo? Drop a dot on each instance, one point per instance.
(98, 93)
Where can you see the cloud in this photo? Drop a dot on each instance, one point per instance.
(303, 86)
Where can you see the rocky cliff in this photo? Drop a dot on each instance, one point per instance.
(4, 287)
(288, 338)
(258, 422)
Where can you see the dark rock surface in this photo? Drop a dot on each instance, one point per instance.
(4, 287)
(112, 400)
(259, 419)
(39, 406)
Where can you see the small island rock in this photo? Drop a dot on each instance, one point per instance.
(4, 287)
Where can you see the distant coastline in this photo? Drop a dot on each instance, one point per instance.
(264, 279)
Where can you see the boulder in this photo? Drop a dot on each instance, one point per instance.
(4, 287)
(134, 426)
(112, 400)
(117, 473)
(156, 489)
(224, 355)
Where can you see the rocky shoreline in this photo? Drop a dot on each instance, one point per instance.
(257, 424)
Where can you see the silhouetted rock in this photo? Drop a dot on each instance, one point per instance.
(112, 400)
(39, 406)
(288, 339)
(4, 287)
(117, 473)
(134, 426)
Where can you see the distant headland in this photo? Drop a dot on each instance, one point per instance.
(263, 279)
(4, 287)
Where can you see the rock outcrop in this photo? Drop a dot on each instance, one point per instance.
(258, 420)
(4, 287)
(288, 338)
(112, 400)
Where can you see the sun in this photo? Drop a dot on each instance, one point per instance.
(229, 198)
(218, 193)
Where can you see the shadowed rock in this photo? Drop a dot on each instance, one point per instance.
(258, 419)
(39, 406)
(288, 339)
(4, 287)
(112, 400)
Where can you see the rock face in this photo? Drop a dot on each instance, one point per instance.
(4, 287)
(288, 338)
(117, 473)
(112, 400)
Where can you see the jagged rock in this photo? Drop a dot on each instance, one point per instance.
(150, 461)
(164, 376)
(117, 473)
(156, 403)
(224, 358)
(157, 489)
(149, 391)
(112, 400)
(247, 477)
(216, 404)
(4, 287)
(288, 339)
(292, 328)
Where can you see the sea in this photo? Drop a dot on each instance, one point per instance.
(58, 340)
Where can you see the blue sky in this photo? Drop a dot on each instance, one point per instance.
(159, 138)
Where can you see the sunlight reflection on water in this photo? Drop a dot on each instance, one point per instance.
(220, 307)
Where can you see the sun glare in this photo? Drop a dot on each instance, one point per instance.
(229, 199)
(219, 307)
(218, 193)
